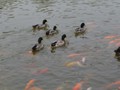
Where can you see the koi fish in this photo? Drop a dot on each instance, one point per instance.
(114, 83)
(70, 64)
(79, 63)
(90, 88)
(73, 55)
(29, 84)
(78, 86)
(41, 71)
(35, 88)
(114, 41)
(110, 36)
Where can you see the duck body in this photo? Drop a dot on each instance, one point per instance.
(58, 43)
(52, 32)
(37, 47)
(81, 30)
(43, 26)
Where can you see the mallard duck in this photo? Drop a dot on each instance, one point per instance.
(39, 46)
(52, 32)
(43, 26)
(59, 43)
(81, 30)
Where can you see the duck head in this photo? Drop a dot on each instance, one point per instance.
(40, 40)
(55, 27)
(63, 37)
(44, 21)
(82, 25)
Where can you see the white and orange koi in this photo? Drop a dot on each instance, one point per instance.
(78, 63)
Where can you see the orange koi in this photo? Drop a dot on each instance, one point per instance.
(110, 36)
(114, 83)
(35, 88)
(41, 71)
(78, 86)
(73, 55)
(29, 84)
(114, 41)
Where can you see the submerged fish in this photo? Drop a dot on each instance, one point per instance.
(73, 55)
(30, 86)
(90, 88)
(114, 41)
(78, 86)
(110, 36)
(35, 88)
(114, 83)
(78, 63)
(41, 71)
(70, 64)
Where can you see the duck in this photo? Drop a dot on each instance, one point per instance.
(59, 43)
(81, 30)
(52, 32)
(39, 46)
(43, 26)
(117, 52)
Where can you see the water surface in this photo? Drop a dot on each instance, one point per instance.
(17, 66)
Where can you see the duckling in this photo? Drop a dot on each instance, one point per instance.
(81, 30)
(43, 26)
(117, 52)
(39, 46)
(52, 32)
(59, 43)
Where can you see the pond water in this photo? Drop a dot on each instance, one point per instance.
(18, 66)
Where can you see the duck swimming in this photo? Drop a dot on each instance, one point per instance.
(59, 43)
(39, 46)
(43, 26)
(52, 32)
(81, 30)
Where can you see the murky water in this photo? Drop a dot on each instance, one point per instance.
(17, 66)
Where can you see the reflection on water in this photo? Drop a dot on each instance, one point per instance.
(18, 66)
